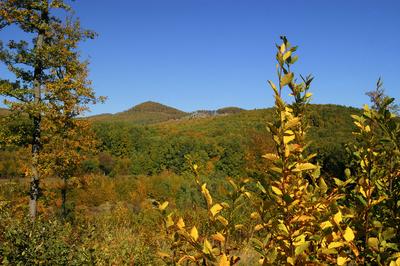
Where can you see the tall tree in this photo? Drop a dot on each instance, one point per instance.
(50, 81)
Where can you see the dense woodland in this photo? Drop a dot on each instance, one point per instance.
(293, 184)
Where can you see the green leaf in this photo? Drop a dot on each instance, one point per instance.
(347, 172)
(389, 233)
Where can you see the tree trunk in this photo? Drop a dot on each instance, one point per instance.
(64, 199)
(35, 189)
(37, 118)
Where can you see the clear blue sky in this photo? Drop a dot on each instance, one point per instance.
(207, 54)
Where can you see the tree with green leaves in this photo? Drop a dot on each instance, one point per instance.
(50, 84)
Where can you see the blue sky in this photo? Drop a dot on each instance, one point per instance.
(207, 54)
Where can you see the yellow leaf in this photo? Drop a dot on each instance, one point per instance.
(325, 225)
(276, 190)
(282, 48)
(207, 248)
(283, 228)
(222, 220)
(286, 79)
(287, 139)
(163, 206)
(216, 209)
(302, 218)
(292, 122)
(335, 245)
(206, 194)
(362, 191)
(194, 233)
(301, 248)
(271, 156)
(224, 261)
(180, 223)
(338, 217)
(258, 227)
(341, 260)
(163, 254)
(273, 86)
(287, 55)
(169, 222)
(348, 234)
(218, 237)
(379, 200)
(195, 166)
(373, 242)
(254, 215)
(304, 167)
(290, 260)
(239, 226)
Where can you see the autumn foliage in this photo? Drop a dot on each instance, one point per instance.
(187, 192)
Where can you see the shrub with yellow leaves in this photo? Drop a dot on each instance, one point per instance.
(214, 245)
(375, 171)
(299, 221)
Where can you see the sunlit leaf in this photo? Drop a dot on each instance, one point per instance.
(215, 209)
(194, 233)
(276, 190)
(180, 223)
(163, 206)
(223, 260)
(348, 234)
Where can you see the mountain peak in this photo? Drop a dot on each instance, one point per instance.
(154, 107)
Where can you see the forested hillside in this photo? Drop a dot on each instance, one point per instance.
(233, 143)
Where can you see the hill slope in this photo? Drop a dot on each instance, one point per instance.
(144, 113)
(233, 143)
(3, 111)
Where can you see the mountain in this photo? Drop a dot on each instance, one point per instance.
(154, 107)
(145, 113)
